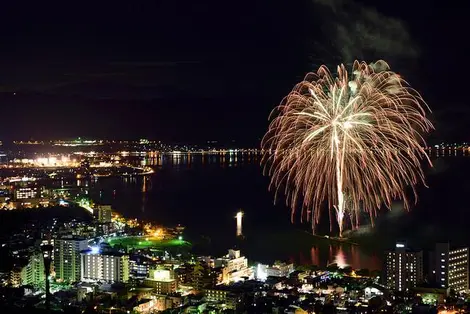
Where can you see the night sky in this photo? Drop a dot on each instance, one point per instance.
(211, 70)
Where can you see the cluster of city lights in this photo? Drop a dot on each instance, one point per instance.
(52, 161)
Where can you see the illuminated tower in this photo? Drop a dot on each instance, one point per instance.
(239, 218)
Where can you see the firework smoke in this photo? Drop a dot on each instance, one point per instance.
(353, 31)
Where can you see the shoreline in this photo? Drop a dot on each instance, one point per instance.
(335, 239)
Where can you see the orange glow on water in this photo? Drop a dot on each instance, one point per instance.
(315, 253)
(340, 258)
(342, 255)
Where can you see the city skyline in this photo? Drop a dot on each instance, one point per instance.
(267, 156)
(163, 221)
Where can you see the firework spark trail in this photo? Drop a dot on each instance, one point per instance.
(352, 141)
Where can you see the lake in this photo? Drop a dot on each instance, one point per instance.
(204, 194)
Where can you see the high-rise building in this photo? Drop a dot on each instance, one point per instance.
(199, 276)
(234, 267)
(107, 266)
(162, 281)
(103, 213)
(35, 271)
(403, 267)
(449, 267)
(16, 276)
(67, 258)
(223, 295)
(29, 272)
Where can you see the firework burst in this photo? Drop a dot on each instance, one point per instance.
(348, 143)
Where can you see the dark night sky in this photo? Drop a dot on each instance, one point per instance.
(199, 70)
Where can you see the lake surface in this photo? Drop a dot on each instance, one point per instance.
(204, 194)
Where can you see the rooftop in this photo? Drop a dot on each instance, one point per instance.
(106, 253)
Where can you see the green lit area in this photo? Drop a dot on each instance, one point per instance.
(148, 242)
(430, 298)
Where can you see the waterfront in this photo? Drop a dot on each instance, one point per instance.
(205, 192)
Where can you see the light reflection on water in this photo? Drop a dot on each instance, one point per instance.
(182, 159)
(207, 190)
(343, 255)
(185, 186)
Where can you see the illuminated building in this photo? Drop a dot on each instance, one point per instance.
(403, 268)
(145, 306)
(30, 273)
(138, 269)
(67, 258)
(183, 274)
(202, 275)
(16, 275)
(103, 213)
(234, 267)
(162, 281)
(26, 192)
(165, 302)
(280, 270)
(3, 157)
(47, 162)
(449, 267)
(262, 272)
(222, 295)
(108, 267)
(35, 271)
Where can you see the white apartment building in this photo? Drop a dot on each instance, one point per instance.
(107, 267)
